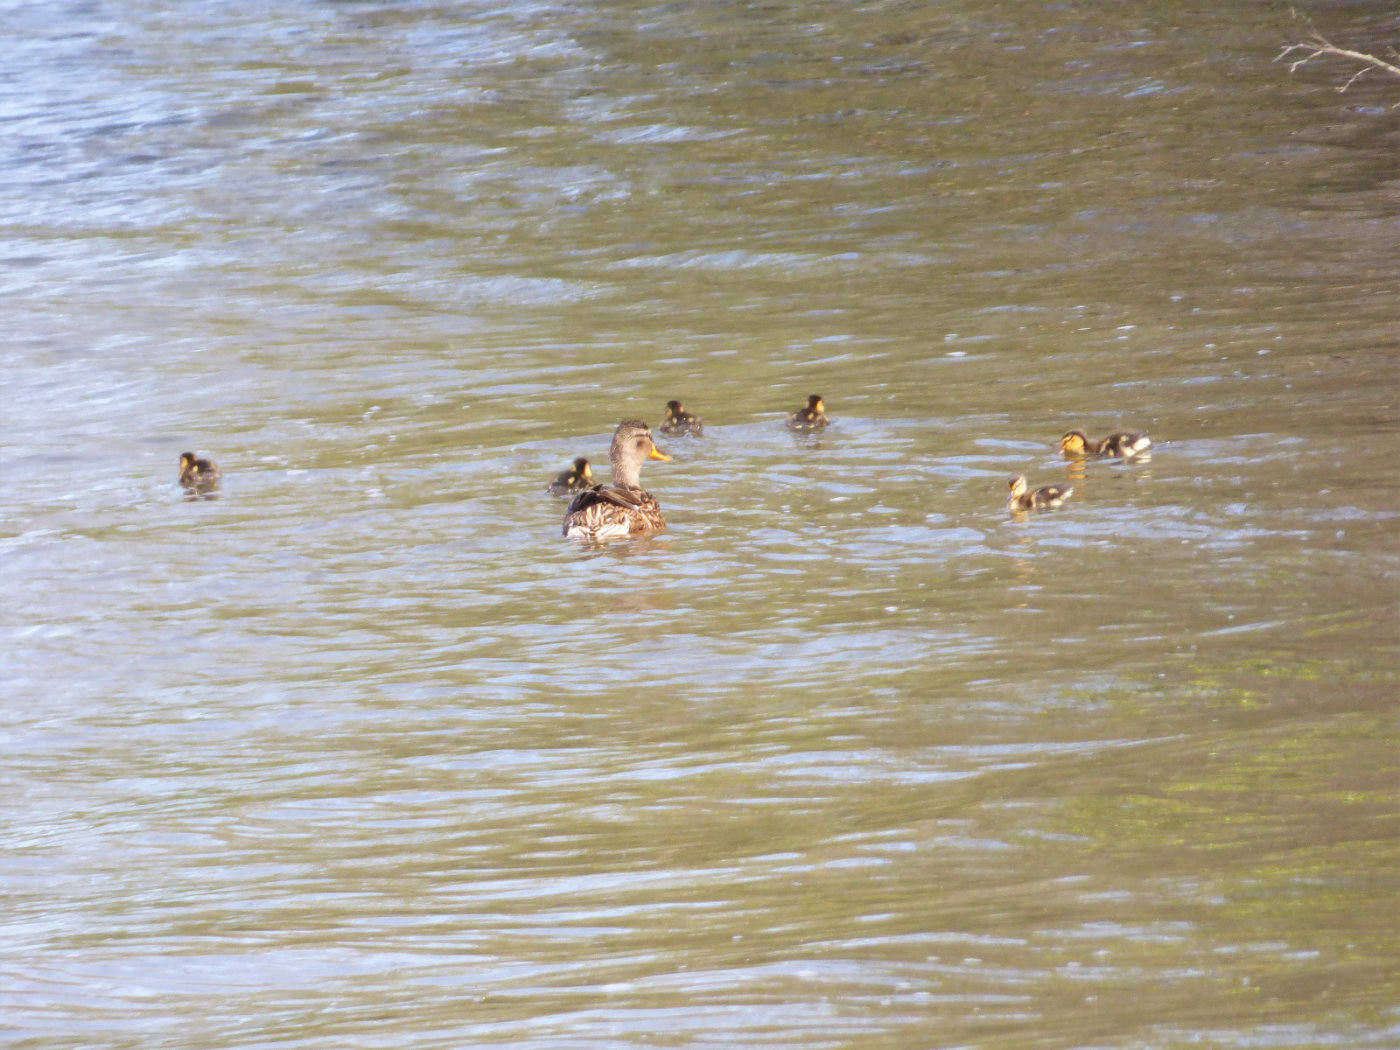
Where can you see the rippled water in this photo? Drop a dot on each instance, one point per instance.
(362, 753)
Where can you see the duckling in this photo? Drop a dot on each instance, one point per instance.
(1043, 498)
(624, 508)
(679, 421)
(198, 476)
(1119, 444)
(813, 417)
(575, 479)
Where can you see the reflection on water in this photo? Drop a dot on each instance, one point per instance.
(363, 753)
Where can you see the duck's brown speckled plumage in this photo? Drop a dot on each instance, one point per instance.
(1121, 443)
(679, 422)
(623, 508)
(577, 478)
(198, 477)
(812, 417)
(1043, 498)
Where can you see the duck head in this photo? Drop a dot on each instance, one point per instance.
(632, 445)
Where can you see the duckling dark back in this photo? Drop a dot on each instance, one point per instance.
(679, 422)
(577, 477)
(811, 417)
(198, 476)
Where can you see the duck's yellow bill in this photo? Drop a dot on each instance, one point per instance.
(656, 453)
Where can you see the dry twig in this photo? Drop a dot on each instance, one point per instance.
(1317, 44)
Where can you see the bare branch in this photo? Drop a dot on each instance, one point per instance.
(1354, 78)
(1318, 45)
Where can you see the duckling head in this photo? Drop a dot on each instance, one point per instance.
(815, 404)
(1073, 443)
(1018, 486)
(582, 469)
(674, 409)
(187, 460)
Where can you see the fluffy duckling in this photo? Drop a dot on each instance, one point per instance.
(1120, 444)
(679, 421)
(624, 508)
(813, 417)
(1043, 498)
(575, 479)
(198, 477)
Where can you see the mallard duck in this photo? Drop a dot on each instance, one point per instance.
(813, 417)
(624, 508)
(198, 476)
(575, 479)
(679, 421)
(1120, 444)
(1043, 498)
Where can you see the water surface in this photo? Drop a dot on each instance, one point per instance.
(363, 753)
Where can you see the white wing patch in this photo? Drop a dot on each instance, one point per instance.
(603, 530)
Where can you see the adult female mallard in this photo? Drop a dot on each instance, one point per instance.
(1122, 444)
(813, 417)
(575, 479)
(624, 508)
(198, 477)
(678, 421)
(1043, 498)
